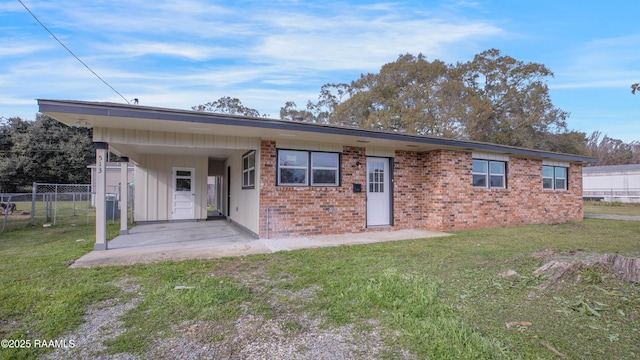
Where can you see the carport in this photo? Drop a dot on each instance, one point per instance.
(175, 152)
(167, 234)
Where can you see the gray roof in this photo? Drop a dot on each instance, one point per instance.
(81, 109)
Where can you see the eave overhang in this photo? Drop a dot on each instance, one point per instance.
(112, 115)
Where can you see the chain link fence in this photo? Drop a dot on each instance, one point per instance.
(627, 195)
(53, 204)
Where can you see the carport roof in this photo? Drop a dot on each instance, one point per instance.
(114, 115)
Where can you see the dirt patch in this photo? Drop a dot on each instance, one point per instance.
(288, 336)
(569, 256)
(7, 327)
(286, 332)
(102, 322)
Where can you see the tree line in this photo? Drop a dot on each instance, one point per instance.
(45, 151)
(493, 98)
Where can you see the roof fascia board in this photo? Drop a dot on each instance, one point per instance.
(130, 111)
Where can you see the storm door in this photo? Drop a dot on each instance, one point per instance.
(378, 192)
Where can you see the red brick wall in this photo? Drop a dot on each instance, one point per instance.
(409, 177)
(454, 203)
(310, 210)
(432, 191)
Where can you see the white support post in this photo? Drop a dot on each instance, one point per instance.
(102, 154)
(124, 195)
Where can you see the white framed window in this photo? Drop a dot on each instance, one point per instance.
(324, 169)
(249, 170)
(293, 168)
(489, 174)
(308, 168)
(554, 177)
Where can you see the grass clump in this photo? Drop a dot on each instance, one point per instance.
(175, 294)
(411, 304)
(41, 298)
(613, 208)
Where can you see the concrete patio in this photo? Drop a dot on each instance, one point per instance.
(215, 239)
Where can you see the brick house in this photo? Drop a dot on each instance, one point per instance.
(284, 178)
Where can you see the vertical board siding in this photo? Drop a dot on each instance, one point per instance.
(154, 186)
(246, 201)
(147, 137)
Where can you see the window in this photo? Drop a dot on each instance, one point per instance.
(554, 177)
(293, 167)
(489, 174)
(304, 168)
(324, 169)
(376, 177)
(249, 170)
(183, 180)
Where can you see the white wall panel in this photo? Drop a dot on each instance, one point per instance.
(244, 209)
(304, 145)
(380, 152)
(146, 137)
(154, 187)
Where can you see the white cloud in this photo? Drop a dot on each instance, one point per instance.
(142, 18)
(13, 6)
(19, 48)
(601, 63)
(185, 50)
(189, 52)
(352, 42)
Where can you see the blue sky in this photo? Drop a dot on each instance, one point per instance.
(180, 54)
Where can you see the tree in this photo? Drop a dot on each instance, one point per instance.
(321, 112)
(410, 94)
(493, 98)
(290, 112)
(611, 151)
(228, 105)
(514, 103)
(43, 150)
(569, 142)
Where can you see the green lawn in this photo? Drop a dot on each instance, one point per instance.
(61, 212)
(439, 298)
(597, 207)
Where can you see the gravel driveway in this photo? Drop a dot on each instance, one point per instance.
(287, 335)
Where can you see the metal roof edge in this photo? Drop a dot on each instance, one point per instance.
(146, 112)
(612, 168)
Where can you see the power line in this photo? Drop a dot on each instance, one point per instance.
(71, 52)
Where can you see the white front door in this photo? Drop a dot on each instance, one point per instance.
(183, 193)
(378, 192)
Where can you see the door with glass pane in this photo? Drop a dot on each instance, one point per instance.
(183, 193)
(378, 192)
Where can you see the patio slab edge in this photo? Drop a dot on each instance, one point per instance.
(179, 252)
